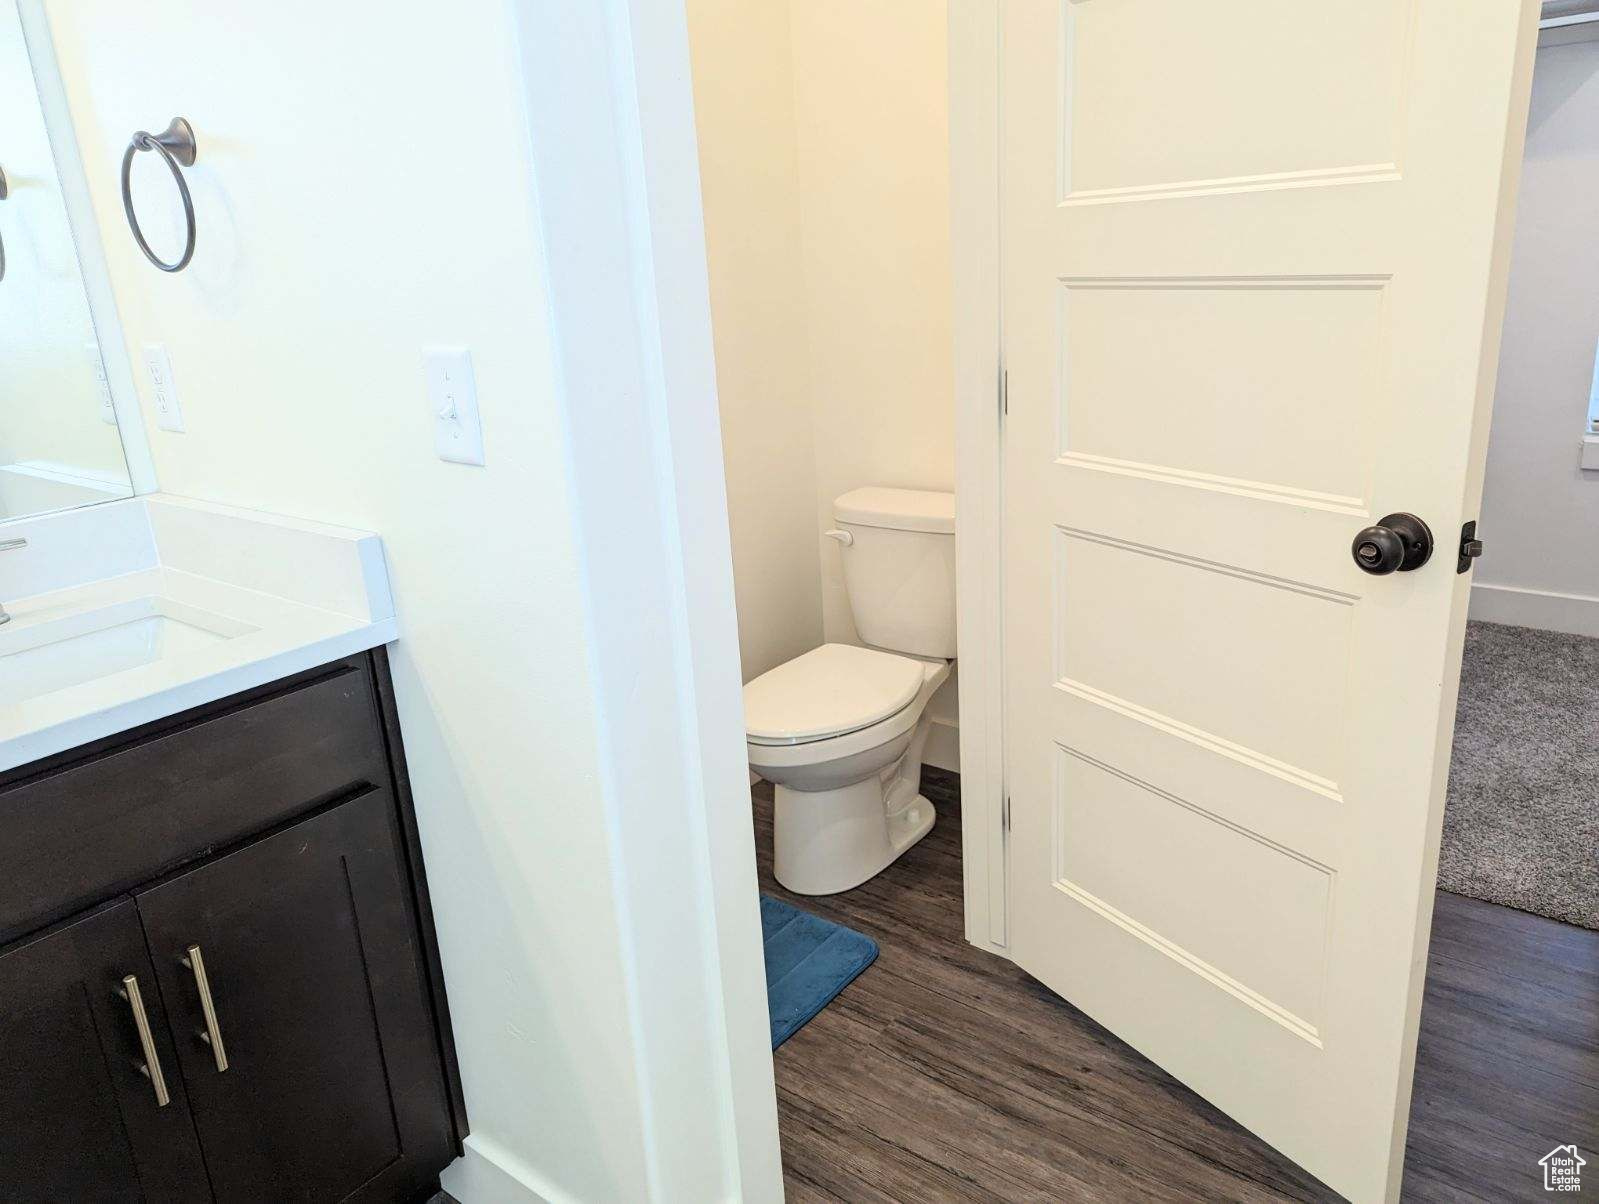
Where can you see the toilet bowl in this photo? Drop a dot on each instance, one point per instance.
(848, 802)
(840, 731)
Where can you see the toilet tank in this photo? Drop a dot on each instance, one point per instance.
(898, 547)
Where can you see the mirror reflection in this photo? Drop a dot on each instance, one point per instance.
(59, 442)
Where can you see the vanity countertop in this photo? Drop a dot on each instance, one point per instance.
(129, 612)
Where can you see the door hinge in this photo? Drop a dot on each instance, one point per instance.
(1004, 815)
(1004, 392)
(1470, 546)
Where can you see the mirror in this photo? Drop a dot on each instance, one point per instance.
(60, 446)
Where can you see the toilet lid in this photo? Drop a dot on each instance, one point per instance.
(829, 691)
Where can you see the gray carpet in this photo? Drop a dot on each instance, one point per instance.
(1522, 825)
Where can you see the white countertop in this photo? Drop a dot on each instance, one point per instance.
(264, 597)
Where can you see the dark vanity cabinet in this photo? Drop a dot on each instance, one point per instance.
(75, 1124)
(220, 980)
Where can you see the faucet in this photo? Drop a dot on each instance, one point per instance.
(9, 545)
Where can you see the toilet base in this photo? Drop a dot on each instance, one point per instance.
(833, 840)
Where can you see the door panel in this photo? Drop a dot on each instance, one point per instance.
(1254, 264)
(1206, 409)
(332, 1084)
(1272, 956)
(1293, 96)
(78, 1119)
(1238, 639)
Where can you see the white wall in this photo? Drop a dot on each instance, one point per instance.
(824, 148)
(362, 192)
(1540, 511)
(744, 106)
(871, 110)
(50, 412)
(871, 107)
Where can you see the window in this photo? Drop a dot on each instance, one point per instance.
(1593, 397)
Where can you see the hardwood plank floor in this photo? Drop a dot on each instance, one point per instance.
(944, 1073)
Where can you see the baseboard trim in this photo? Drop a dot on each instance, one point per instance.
(943, 749)
(1575, 614)
(488, 1174)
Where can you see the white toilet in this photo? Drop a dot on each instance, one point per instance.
(840, 730)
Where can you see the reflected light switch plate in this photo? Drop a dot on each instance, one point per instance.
(163, 393)
(452, 400)
(108, 407)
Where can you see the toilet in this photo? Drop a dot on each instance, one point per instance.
(840, 730)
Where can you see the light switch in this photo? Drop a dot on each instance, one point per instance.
(163, 392)
(108, 407)
(452, 398)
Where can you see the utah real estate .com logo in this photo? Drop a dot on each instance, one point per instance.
(1562, 1169)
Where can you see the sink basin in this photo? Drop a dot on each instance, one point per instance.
(47, 654)
(137, 610)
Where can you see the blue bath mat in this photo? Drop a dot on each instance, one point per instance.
(809, 960)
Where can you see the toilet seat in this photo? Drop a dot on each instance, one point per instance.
(828, 692)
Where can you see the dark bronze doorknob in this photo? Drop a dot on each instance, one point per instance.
(1399, 543)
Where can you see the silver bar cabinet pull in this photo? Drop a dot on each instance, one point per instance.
(212, 1036)
(152, 1061)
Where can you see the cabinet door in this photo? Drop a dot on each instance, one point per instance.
(80, 1118)
(303, 1027)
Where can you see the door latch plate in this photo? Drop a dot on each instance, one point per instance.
(1470, 546)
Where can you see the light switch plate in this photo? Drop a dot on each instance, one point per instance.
(163, 392)
(452, 400)
(1590, 453)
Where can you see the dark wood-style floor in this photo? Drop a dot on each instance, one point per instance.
(944, 1073)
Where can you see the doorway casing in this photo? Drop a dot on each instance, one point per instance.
(975, 101)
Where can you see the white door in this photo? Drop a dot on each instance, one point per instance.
(1255, 260)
